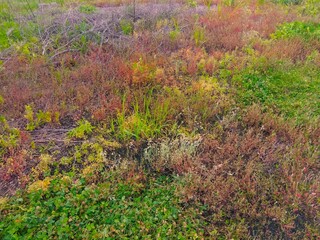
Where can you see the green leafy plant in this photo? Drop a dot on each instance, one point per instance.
(36, 120)
(126, 27)
(82, 42)
(83, 129)
(305, 30)
(9, 33)
(55, 208)
(9, 137)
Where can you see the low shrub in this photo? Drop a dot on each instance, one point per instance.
(257, 174)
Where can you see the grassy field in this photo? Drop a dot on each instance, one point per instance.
(159, 119)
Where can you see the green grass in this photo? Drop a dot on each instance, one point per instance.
(146, 121)
(305, 30)
(292, 91)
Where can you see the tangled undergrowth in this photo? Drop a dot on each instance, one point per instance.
(188, 120)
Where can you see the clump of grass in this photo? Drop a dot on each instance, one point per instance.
(146, 121)
(199, 36)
